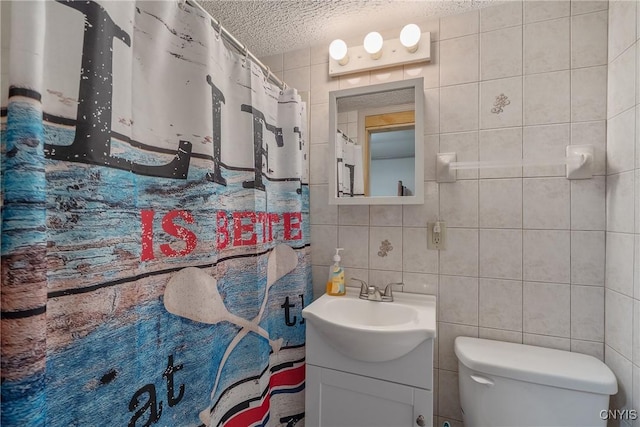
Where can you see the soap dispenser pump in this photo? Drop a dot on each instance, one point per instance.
(335, 283)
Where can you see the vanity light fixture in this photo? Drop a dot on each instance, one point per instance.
(410, 37)
(373, 44)
(338, 51)
(411, 47)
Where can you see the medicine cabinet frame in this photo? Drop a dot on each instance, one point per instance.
(417, 86)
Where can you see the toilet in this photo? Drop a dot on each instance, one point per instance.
(507, 384)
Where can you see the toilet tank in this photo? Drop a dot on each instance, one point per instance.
(507, 384)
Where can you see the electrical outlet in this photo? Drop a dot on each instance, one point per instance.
(436, 235)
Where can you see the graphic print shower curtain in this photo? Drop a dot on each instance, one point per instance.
(155, 238)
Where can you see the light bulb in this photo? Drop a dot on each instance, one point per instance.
(338, 51)
(410, 36)
(373, 44)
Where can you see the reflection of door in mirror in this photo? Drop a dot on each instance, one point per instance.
(389, 153)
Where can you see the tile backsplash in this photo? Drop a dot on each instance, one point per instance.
(525, 256)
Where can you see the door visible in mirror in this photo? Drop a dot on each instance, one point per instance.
(389, 153)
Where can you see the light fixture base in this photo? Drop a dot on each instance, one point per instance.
(393, 53)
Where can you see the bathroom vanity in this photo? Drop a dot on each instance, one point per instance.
(370, 363)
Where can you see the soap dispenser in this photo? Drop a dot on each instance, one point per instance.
(335, 283)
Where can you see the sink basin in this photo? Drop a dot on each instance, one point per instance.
(373, 331)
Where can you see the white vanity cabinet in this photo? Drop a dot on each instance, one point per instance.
(344, 392)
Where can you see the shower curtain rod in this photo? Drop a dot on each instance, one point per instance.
(239, 46)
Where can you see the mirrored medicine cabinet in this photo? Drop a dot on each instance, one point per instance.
(376, 144)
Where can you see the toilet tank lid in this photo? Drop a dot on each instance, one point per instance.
(538, 365)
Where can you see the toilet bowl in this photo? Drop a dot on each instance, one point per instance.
(507, 384)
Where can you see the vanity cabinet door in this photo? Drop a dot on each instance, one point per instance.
(339, 399)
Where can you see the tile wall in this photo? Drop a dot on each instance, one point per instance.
(622, 274)
(525, 258)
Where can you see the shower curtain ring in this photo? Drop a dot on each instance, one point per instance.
(246, 55)
(268, 73)
(219, 34)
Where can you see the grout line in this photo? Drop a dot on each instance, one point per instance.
(477, 177)
(522, 311)
(570, 182)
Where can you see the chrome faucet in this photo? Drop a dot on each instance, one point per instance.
(373, 293)
(388, 290)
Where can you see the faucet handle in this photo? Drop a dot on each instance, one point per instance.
(388, 290)
(364, 288)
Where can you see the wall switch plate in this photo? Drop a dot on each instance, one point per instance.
(436, 239)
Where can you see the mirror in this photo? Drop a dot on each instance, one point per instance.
(376, 144)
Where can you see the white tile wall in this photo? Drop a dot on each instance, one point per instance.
(501, 203)
(547, 46)
(503, 145)
(459, 60)
(459, 25)
(416, 256)
(501, 304)
(622, 271)
(494, 18)
(418, 215)
(525, 256)
(546, 255)
(461, 256)
(546, 203)
(547, 98)
(586, 6)
(459, 108)
(544, 10)
(621, 83)
(622, 23)
(500, 335)
(322, 213)
(458, 300)
(621, 142)
(546, 309)
(511, 114)
(385, 215)
(459, 203)
(547, 341)
(501, 254)
(587, 257)
(592, 348)
(588, 89)
(501, 53)
(623, 370)
(355, 241)
(587, 313)
(540, 142)
(589, 39)
(379, 258)
(619, 262)
(620, 206)
(588, 204)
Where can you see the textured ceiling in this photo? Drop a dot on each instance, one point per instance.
(270, 27)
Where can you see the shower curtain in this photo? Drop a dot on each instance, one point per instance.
(155, 222)
(350, 179)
